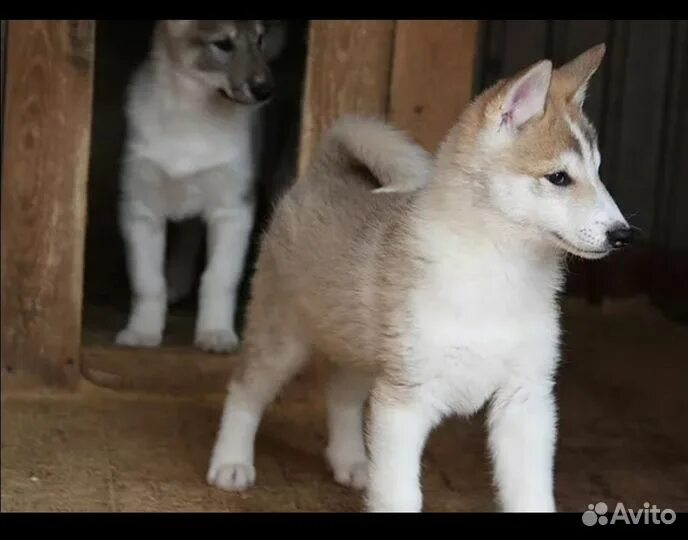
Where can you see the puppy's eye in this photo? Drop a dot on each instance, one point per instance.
(559, 178)
(225, 45)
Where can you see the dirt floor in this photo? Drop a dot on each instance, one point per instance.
(623, 437)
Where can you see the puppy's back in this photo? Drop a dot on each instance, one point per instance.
(339, 233)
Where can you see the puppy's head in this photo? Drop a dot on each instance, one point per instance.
(539, 157)
(230, 57)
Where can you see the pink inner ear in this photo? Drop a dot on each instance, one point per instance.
(527, 100)
(516, 100)
(515, 103)
(520, 93)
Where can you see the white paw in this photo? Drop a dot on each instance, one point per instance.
(351, 472)
(221, 341)
(234, 477)
(132, 338)
(354, 475)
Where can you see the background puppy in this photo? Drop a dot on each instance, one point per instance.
(192, 145)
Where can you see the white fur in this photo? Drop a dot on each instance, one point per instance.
(346, 451)
(471, 342)
(240, 420)
(484, 329)
(369, 141)
(606, 213)
(583, 226)
(184, 158)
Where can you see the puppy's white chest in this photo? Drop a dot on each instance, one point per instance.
(183, 152)
(459, 364)
(472, 329)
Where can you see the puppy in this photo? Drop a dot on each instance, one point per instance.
(432, 286)
(193, 114)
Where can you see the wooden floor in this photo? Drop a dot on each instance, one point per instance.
(623, 437)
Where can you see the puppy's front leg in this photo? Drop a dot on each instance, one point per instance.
(397, 435)
(228, 237)
(522, 421)
(144, 237)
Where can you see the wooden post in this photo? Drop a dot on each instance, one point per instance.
(45, 166)
(432, 76)
(347, 71)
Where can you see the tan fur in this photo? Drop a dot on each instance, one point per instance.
(356, 246)
(541, 142)
(337, 261)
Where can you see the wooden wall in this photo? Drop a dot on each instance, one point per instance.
(417, 74)
(45, 159)
(432, 76)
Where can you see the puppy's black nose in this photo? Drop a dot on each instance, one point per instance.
(262, 90)
(620, 236)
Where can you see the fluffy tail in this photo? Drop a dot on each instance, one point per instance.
(378, 150)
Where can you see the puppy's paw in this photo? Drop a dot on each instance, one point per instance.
(349, 465)
(354, 475)
(220, 341)
(133, 338)
(232, 477)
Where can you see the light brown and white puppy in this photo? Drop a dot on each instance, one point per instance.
(435, 295)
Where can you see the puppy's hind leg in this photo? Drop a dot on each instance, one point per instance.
(347, 390)
(272, 354)
(228, 238)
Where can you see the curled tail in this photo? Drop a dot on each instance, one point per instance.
(388, 157)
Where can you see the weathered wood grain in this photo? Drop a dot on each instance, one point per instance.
(45, 167)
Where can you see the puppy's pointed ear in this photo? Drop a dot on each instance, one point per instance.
(575, 75)
(525, 96)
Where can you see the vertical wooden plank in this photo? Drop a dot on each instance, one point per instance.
(432, 76)
(47, 137)
(347, 71)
